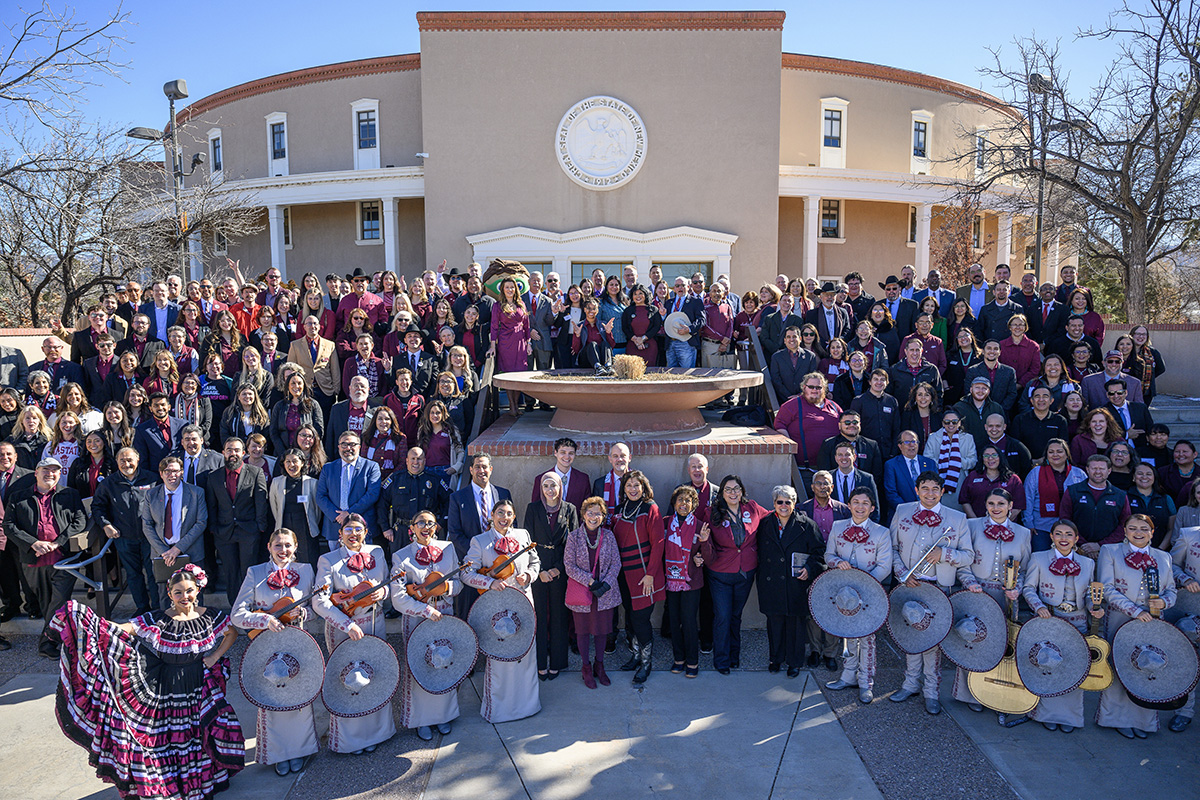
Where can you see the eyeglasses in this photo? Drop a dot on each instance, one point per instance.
(816, 388)
(950, 422)
(733, 490)
(991, 455)
(784, 503)
(851, 423)
(423, 523)
(353, 529)
(908, 441)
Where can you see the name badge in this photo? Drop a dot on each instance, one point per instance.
(746, 518)
(301, 498)
(887, 410)
(1050, 507)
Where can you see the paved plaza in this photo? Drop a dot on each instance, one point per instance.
(751, 735)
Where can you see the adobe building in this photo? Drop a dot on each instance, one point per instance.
(571, 140)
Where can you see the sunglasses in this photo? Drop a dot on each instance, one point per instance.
(784, 503)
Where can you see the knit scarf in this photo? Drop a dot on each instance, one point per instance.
(949, 462)
(1049, 495)
(681, 536)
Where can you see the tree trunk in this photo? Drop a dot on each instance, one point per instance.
(1135, 275)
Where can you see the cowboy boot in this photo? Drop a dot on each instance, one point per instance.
(588, 680)
(635, 658)
(647, 654)
(601, 675)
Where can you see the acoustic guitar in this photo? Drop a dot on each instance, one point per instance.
(1152, 589)
(286, 610)
(1100, 673)
(1001, 689)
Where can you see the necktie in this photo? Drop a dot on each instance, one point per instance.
(485, 511)
(678, 303)
(191, 470)
(845, 480)
(347, 476)
(1125, 416)
(168, 523)
(312, 351)
(1045, 313)
(412, 362)
(912, 469)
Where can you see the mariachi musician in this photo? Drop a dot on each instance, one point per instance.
(424, 554)
(862, 544)
(285, 738)
(1056, 584)
(1185, 554)
(930, 529)
(510, 687)
(347, 570)
(1122, 569)
(994, 539)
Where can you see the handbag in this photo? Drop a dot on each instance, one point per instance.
(577, 593)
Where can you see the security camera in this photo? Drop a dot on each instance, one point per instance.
(422, 155)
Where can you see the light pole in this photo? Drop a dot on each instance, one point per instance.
(174, 90)
(1040, 85)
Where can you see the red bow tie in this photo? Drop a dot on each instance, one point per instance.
(927, 518)
(283, 579)
(855, 534)
(1142, 561)
(1064, 566)
(506, 545)
(358, 562)
(998, 533)
(429, 555)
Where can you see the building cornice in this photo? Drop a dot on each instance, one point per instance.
(600, 21)
(879, 72)
(301, 77)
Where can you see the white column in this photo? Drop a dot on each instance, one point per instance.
(562, 265)
(1004, 246)
(721, 267)
(195, 257)
(1055, 256)
(391, 235)
(812, 222)
(642, 264)
(924, 220)
(278, 251)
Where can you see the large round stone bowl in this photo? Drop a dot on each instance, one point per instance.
(665, 401)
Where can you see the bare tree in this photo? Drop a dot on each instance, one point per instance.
(1123, 158)
(953, 244)
(47, 65)
(69, 233)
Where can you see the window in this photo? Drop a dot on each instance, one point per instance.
(366, 130)
(277, 149)
(831, 219)
(980, 152)
(832, 128)
(216, 154)
(368, 221)
(920, 130)
(977, 232)
(584, 269)
(278, 141)
(220, 242)
(912, 224)
(287, 226)
(684, 270)
(833, 132)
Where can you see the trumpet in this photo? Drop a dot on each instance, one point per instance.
(921, 561)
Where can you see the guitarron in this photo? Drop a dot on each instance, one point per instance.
(1001, 689)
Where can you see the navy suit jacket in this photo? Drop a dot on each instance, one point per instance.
(694, 308)
(64, 372)
(861, 478)
(841, 323)
(172, 312)
(463, 524)
(945, 298)
(898, 486)
(151, 445)
(364, 492)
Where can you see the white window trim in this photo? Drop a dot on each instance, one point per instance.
(980, 133)
(977, 242)
(217, 249)
(908, 225)
(277, 167)
(365, 159)
(918, 164)
(287, 215)
(216, 174)
(833, 157)
(358, 224)
(841, 220)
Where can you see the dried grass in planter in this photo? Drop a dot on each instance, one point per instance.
(629, 368)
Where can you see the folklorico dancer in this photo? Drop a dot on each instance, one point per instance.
(859, 543)
(1122, 569)
(916, 528)
(1056, 584)
(1185, 555)
(344, 569)
(510, 687)
(994, 539)
(424, 554)
(285, 738)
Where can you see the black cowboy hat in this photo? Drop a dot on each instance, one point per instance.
(358, 273)
(890, 279)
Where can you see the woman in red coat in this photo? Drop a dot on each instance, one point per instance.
(638, 528)
(730, 553)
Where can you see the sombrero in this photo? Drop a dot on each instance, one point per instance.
(919, 617)
(360, 677)
(1154, 661)
(979, 635)
(1052, 656)
(848, 602)
(282, 670)
(440, 654)
(504, 622)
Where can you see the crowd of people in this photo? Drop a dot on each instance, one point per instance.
(291, 437)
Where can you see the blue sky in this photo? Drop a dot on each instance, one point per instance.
(220, 43)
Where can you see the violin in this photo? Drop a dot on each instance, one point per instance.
(435, 584)
(504, 567)
(351, 600)
(287, 610)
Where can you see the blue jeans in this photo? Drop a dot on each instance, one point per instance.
(680, 354)
(730, 591)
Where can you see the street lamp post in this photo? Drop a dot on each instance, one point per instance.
(1040, 85)
(174, 90)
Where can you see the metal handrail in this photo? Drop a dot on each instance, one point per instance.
(72, 566)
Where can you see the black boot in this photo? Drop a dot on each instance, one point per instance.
(634, 661)
(647, 656)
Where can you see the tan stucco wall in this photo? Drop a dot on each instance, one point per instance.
(320, 125)
(711, 120)
(878, 122)
(323, 237)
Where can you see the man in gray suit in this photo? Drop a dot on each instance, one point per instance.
(540, 317)
(174, 517)
(14, 369)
